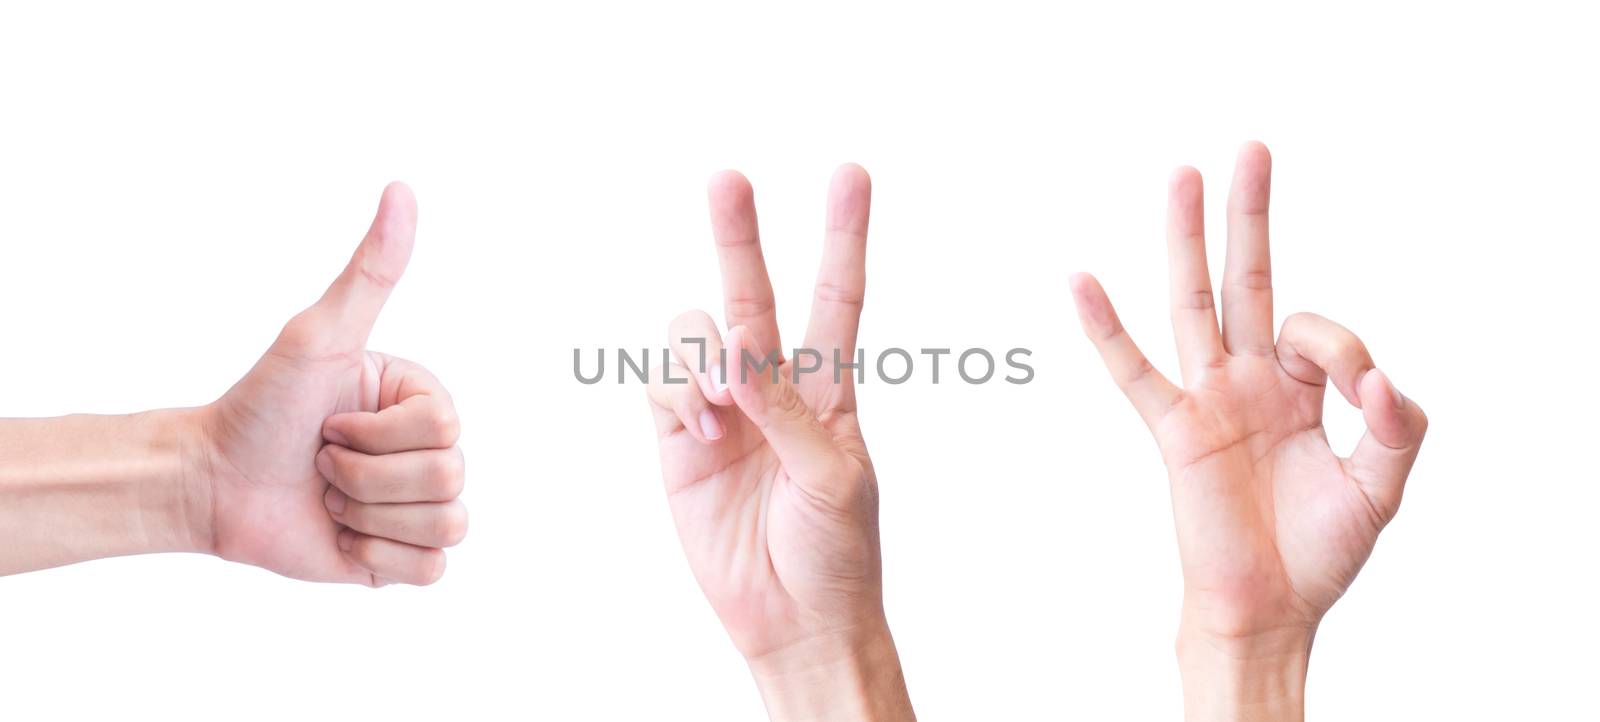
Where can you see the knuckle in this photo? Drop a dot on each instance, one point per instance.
(431, 567)
(1299, 319)
(451, 526)
(444, 425)
(1254, 279)
(1108, 332)
(748, 306)
(377, 277)
(838, 293)
(350, 476)
(363, 550)
(691, 320)
(1200, 300)
(306, 334)
(449, 474)
(1140, 372)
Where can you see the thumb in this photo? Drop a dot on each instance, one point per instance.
(806, 449)
(1395, 426)
(350, 306)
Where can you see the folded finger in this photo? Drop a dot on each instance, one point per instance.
(391, 560)
(680, 405)
(1313, 349)
(401, 477)
(808, 451)
(425, 524)
(697, 345)
(414, 412)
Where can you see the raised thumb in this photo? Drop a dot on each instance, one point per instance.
(350, 306)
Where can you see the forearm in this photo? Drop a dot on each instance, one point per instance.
(84, 487)
(1262, 678)
(843, 678)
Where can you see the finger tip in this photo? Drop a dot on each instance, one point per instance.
(693, 318)
(1183, 175)
(333, 430)
(393, 232)
(853, 174)
(718, 391)
(398, 189)
(710, 427)
(1255, 150)
(1392, 419)
(1089, 297)
(730, 184)
(1374, 385)
(1381, 403)
(439, 563)
(399, 202)
(1184, 184)
(335, 500)
(323, 461)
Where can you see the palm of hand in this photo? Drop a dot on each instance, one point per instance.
(1271, 527)
(264, 436)
(328, 462)
(772, 560)
(768, 479)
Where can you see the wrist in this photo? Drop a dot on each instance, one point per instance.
(167, 466)
(1260, 676)
(193, 513)
(849, 675)
(83, 487)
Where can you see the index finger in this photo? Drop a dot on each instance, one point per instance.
(746, 290)
(414, 412)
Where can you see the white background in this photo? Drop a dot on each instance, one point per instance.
(177, 180)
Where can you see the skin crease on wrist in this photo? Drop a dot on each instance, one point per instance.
(1272, 525)
(84, 487)
(326, 462)
(770, 485)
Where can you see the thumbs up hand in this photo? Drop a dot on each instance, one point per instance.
(329, 462)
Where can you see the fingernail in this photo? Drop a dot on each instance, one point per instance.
(347, 539)
(1399, 398)
(335, 500)
(719, 382)
(325, 465)
(709, 425)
